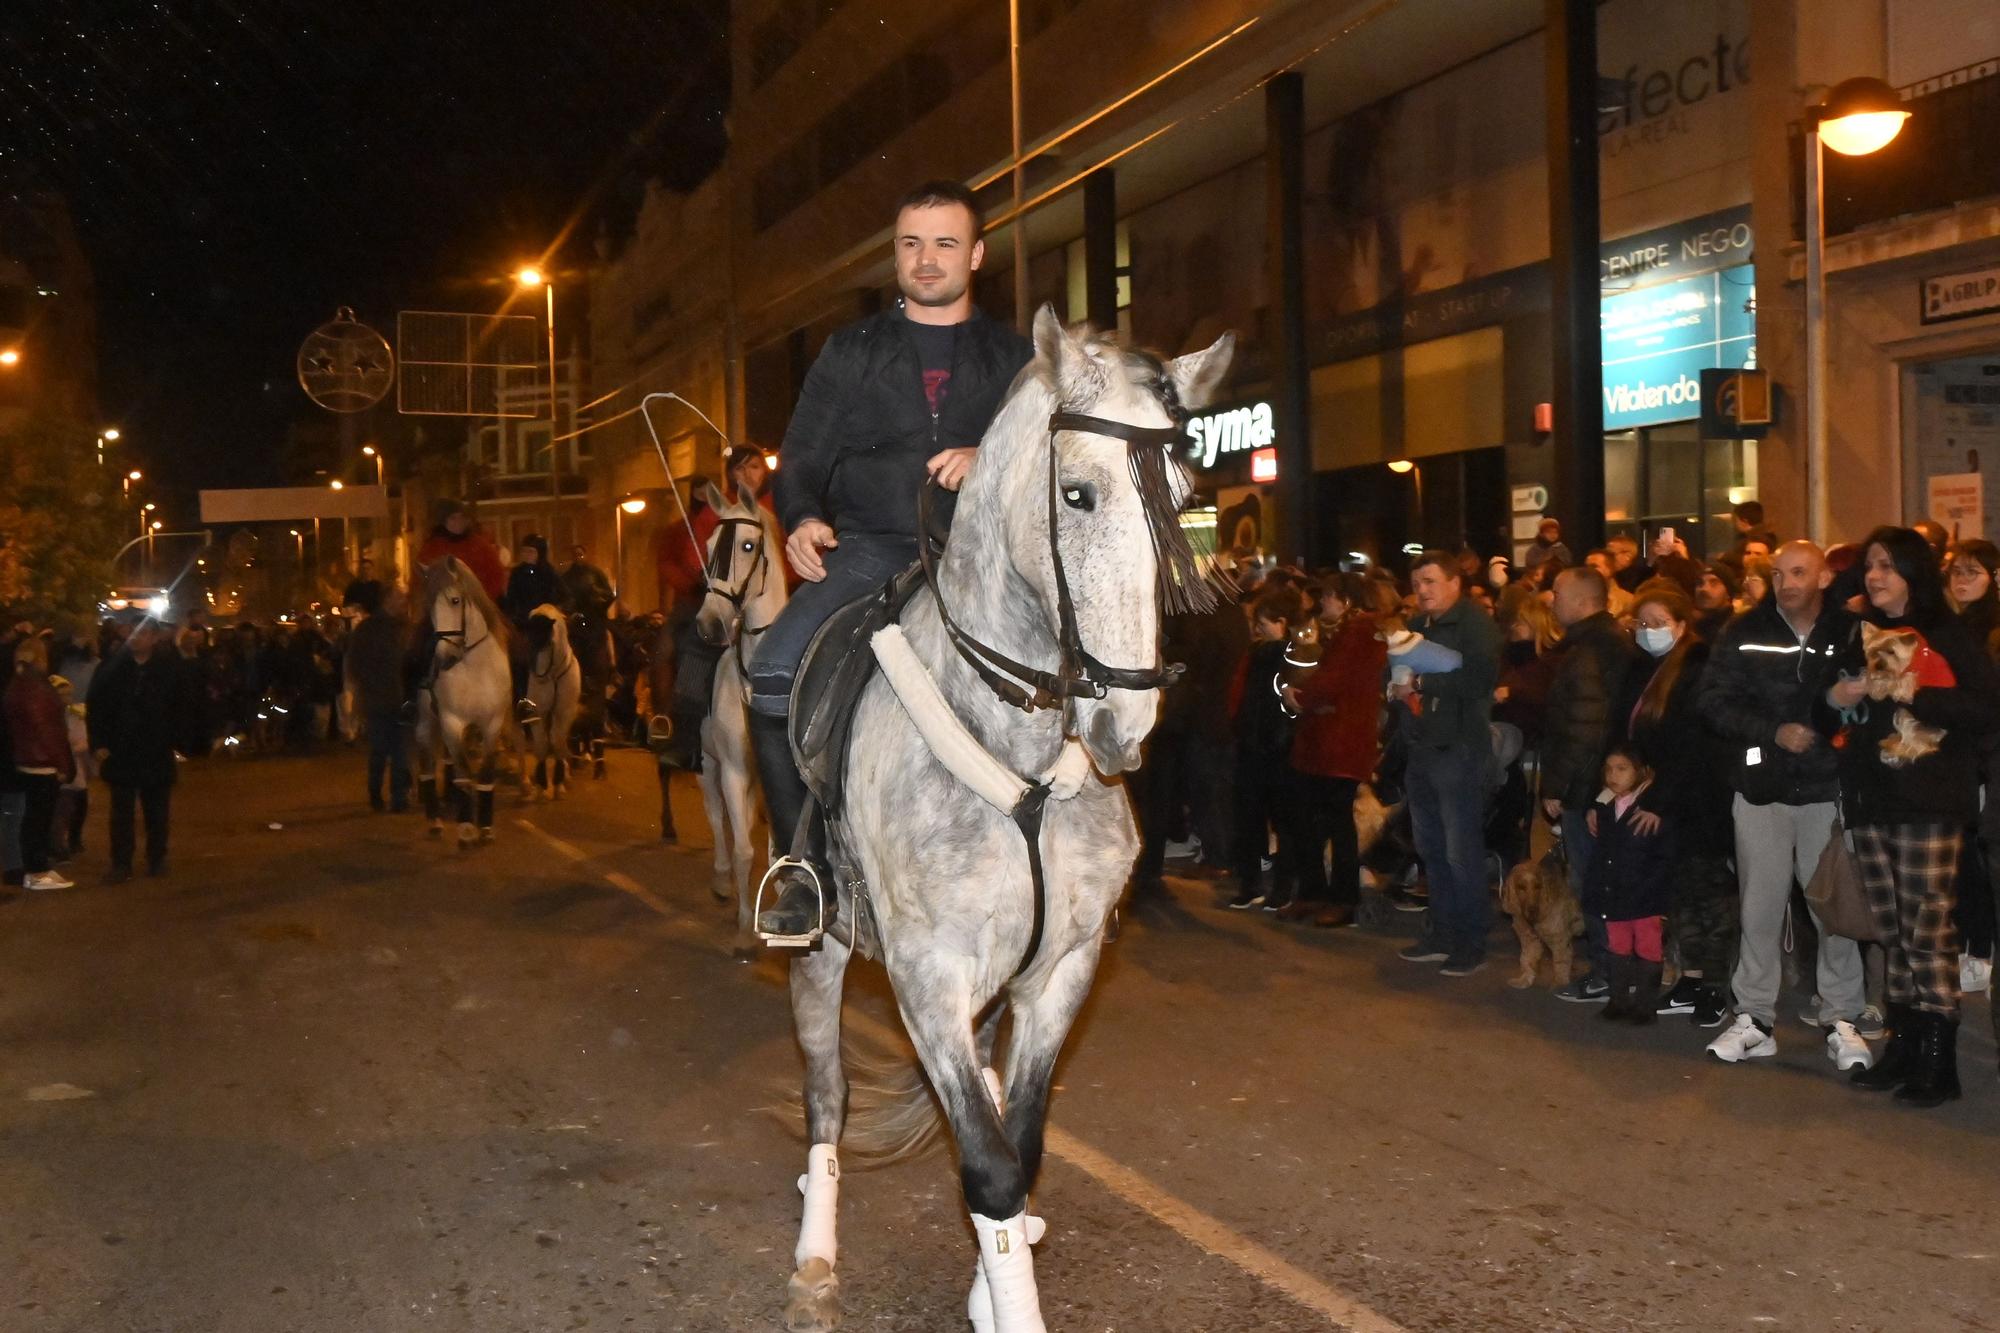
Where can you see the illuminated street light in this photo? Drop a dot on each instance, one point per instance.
(1401, 465)
(633, 504)
(529, 276)
(1858, 117)
(370, 451)
(10, 356)
(134, 475)
(111, 433)
(338, 484)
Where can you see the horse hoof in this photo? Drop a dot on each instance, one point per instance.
(467, 835)
(436, 829)
(486, 835)
(812, 1299)
(559, 793)
(743, 955)
(720, 886)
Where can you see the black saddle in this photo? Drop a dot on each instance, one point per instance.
(837, 666)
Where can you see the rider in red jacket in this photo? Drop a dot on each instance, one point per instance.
(457, 534)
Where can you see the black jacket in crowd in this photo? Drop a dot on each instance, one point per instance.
(1759, 678)
(1631, 873)
(141, 713)
(1263, 727)
(1942, 787)
(1690, 762)
(530, 586)
(1588, 703)
(854, 454)
(375, 665)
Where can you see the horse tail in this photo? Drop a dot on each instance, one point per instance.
(892, 1114)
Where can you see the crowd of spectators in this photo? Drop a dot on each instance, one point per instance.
(1687, 739)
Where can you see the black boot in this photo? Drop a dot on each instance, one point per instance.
(1645, 993)
(1892, 1067)
(1933, 1078)
(798, 908)
(1618, 974)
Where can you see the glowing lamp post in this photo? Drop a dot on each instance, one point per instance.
(631, 504)
(1858, 117)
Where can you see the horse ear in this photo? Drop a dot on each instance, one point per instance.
(1050, 337)
(1198, 374)
(1077, 377)
(712, 497)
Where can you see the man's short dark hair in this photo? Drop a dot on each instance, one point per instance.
(1751, 512)
(1600, 590)
(933, 194)
(1446, 562)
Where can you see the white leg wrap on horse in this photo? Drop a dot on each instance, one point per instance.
(821, 1187)
(1007, 1261)
(948, 738)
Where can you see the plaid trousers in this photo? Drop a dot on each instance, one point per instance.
(1911, 873)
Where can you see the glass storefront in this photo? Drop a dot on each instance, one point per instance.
(1668, 476)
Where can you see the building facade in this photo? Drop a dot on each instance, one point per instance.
(1158, 169)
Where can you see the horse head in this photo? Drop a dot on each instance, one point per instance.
(739, 563)
(548, 628)
(1094, 519)
(462, 615)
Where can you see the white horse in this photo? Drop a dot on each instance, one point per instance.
(555, 685)
(746, 590)
(1065, 530)
(465, 713)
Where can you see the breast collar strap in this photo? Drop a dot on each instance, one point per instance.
(1079, 674)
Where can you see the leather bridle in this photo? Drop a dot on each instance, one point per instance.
(444, 636)
(759, 573)
(1078, 674)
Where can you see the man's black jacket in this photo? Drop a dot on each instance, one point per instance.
(1588, 702)
(1761, 677)
(854, 454)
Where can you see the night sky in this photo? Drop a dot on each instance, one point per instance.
(239, 169)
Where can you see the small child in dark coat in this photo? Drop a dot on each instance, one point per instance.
(1629, 883)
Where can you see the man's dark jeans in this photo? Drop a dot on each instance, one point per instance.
(855, 568)
(158, 802)
(1446, 789)
(388, 750)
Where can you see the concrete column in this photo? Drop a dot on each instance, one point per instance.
(1100, 248)
(1284, 175)
(1571, 40)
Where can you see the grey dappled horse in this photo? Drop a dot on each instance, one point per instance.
(555, 688)
(948, 874)
(745, 592)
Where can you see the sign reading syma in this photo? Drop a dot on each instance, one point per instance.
(1657, 341)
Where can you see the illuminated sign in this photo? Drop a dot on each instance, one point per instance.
(1264, 465)
(1220, 432)
(1657, 340)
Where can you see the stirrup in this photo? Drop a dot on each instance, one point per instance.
(811, 937)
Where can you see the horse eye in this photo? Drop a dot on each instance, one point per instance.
(1082, 496)
(748, 547)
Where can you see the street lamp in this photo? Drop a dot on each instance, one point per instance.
(10, 357)
(631, 504)
(130, 477)
(370, 451)
(108, 435)
(1858, 117)
(144, 510)
(529, 277)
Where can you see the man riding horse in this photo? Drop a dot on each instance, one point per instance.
(900, 396)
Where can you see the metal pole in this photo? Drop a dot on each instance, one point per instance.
(1819, 513)
(1100, 249)
(555, 479)
(1575, 334)
(1022, 315)
(618, 568)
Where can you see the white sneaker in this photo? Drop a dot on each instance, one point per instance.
(1846, 1049)
(1743, 1040)
(1183, 851)
(1974, 974)
(47, 879)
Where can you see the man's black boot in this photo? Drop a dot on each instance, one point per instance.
(1933, 1076)
(1892, 1067)
(797, 907)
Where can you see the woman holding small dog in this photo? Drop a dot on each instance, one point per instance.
(1910, 714)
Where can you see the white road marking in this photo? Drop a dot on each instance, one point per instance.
(1184, 1219)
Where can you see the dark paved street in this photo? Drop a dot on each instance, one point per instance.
(336, 1077)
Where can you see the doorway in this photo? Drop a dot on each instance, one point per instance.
(1951, 443)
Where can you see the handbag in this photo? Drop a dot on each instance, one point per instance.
(1837, 895)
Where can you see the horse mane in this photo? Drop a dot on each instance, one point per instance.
(452, 569)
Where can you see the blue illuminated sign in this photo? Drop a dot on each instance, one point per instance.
(1657, 340)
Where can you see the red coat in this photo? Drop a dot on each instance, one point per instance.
(681, 566)
(38, 726)
(478, 553)
(1339, 734)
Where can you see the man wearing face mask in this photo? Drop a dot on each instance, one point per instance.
(1768, 667)
(898, 397)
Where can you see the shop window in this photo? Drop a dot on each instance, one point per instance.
(1668, 476)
